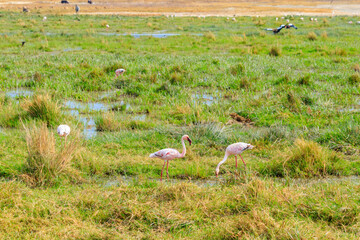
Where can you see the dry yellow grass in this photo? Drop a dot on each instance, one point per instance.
(186, 8)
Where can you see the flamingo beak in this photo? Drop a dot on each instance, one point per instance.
(189, 141)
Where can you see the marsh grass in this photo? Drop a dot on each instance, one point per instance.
(312, 36)
(46, 164)
(43, 108)
(305, 159)
(354, 78)
(275, 51)
(107, 122)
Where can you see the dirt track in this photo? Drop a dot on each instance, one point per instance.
(190, 8)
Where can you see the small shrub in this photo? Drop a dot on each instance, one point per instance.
(340, 52)
(103, 23)
(293, 102)
(45, 164)
(325, 22)
(245, 83)
(275, 51)
(355, 78)
(260, 22)
(312, 36)
(305, 159)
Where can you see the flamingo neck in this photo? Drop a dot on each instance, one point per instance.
(184, 148)
(224, 160)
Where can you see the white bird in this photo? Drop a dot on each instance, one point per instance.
(44, 19)
(287, 20)
(107, 25)
(234, 19)
(63, 131)
(234, 149)
(311, 19)
(168, 154)
(119, 72)
(302, 19)
(350, 22)
(315, 19)
(277, 19)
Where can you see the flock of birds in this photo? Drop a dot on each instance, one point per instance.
(168, 154)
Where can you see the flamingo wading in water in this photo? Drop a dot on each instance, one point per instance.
(168, 154)
(63, 131)
(234, 149)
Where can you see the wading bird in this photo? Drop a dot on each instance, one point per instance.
(119, 72)
(25, 9)
(168, 154)
(63, 131)
(234, 149)
(77, 9)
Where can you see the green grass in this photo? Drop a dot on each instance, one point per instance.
(298, 84)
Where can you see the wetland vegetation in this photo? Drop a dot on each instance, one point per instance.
(295, 96)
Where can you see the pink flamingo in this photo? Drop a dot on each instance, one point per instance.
(234, 149)
(119, 72)
(168, 154)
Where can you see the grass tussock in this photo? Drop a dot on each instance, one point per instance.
(43, 108)
(107, 122)
(304, 159)
(306, 80)
(324, 35)
(210, 36)
(45, 164)
(354, 78)
(237, 69)
(312, 36)
(275, 51)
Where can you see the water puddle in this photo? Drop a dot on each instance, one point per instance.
(89, 127)
(19, 93)
(72, 49)
(204, 98)
(81, 106)
(141, 117)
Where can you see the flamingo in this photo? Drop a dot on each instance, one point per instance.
(44, 19)
(234, 149)
(168, 154)
(63, 131)
(119, 72)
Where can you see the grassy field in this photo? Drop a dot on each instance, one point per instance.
(295, 96)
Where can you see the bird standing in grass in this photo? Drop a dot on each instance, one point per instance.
(168, 154)
(63, 131)
(119, 72)
(234, 149)
(77, 8)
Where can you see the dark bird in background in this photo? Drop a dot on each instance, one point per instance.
(77, 9)
(23, 43)
(90, 2)
(64, 2)
(277, 30)
(25, 9)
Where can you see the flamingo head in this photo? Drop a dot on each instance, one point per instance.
(119, 71)
(186, 137)
(250, 146)
(217, 172)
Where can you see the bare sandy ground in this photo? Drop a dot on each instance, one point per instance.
(190, 8)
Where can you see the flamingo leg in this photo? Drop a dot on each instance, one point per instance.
(236, 161)
(167, 169)
(65, 141)
(243, 160)
(162, 171)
